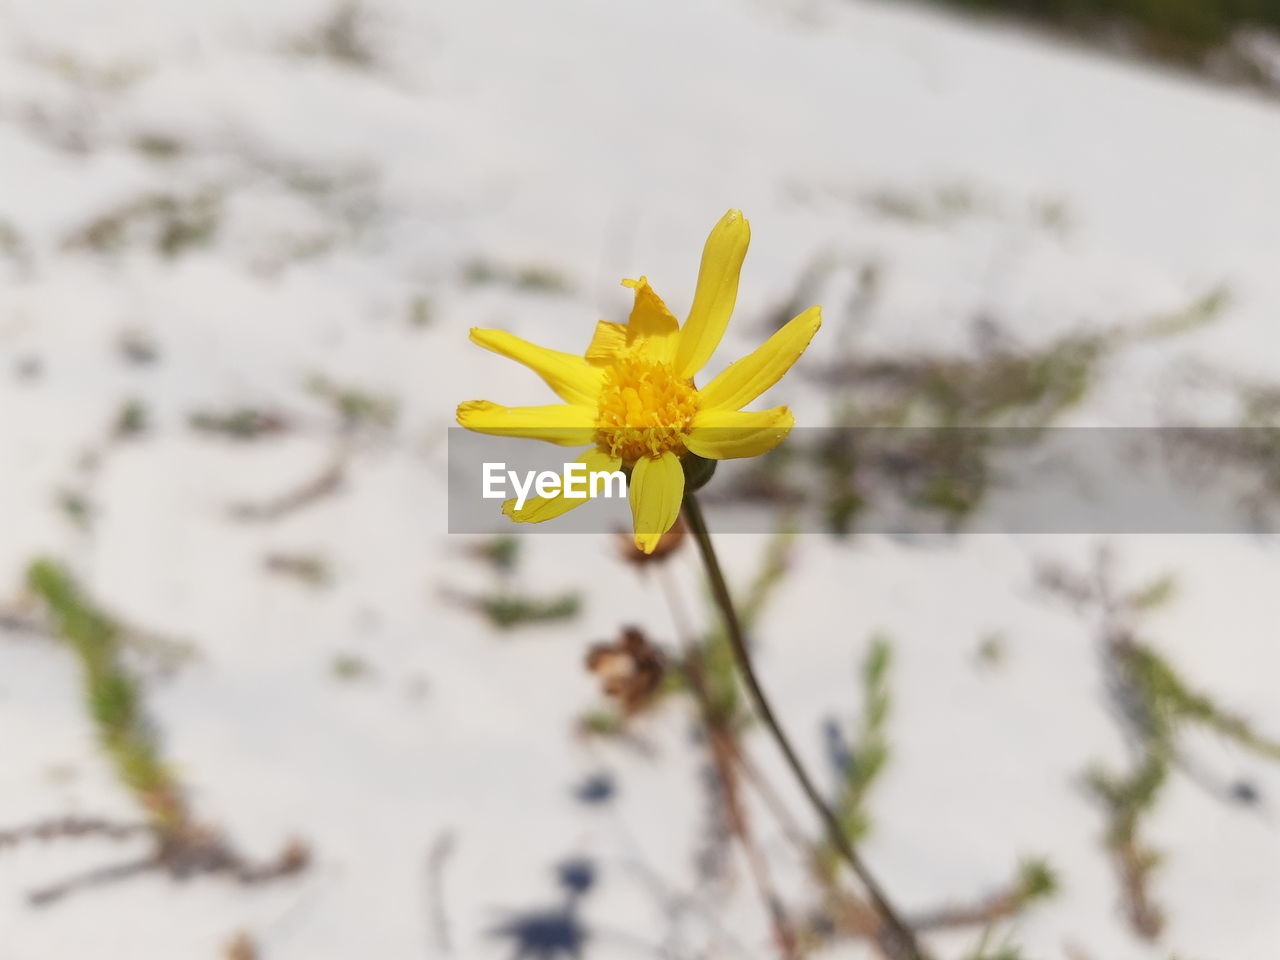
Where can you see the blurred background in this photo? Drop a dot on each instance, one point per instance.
(257, 703)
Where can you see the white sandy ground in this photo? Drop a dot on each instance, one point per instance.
(601, 140)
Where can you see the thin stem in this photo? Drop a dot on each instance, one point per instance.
(895, 937)
(749, 769)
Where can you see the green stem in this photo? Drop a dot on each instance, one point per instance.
(896, 938)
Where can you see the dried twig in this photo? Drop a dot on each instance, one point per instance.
(59, 828)
(327, 482)
(437, 859)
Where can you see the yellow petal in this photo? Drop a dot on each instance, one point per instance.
(572, 378)
(651, 329)
(746, 379)
(656, 493)
(729, 434)
(651, 332)
(561, 423)
(716, 293)
(539, 509)
(608, 344)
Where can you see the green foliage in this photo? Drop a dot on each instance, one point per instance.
(602, 722)
(348, 666)
(1198, 313)
(507, 610)
(502, 553)
(169, 223)
(1155, 594)
(1249, 451)
(535, 278)
(1000, 953)
(985, 950)
(773, 568)
(1157, 704)
(113, 697)
(869, 751)
(505, 606)
(133, 419)
(357, 408)
(76, 507)
(343, 37)
(992, 651)
(309, 568)
(1004, 387)
(1170, 702)
(925, 431)
(238, 423)
(871, 748)
(1037, 880)
(1181, 30)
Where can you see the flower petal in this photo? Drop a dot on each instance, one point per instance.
(651, 332)
(716, 293)
(729, 434)
(652, 328)
(746, 379)
(571, 377)
(608, 343)
(539, 509)
(656, 493)
(569, 426)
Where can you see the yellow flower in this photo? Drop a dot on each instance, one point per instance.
(632, 393)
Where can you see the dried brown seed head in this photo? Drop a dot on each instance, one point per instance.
(630, 669)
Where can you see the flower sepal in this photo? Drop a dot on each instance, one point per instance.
(698, 471)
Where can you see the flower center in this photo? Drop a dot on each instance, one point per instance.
(644, 410)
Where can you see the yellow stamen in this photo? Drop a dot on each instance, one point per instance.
(645, 410)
